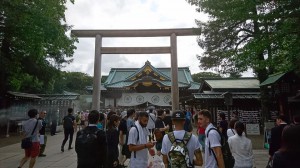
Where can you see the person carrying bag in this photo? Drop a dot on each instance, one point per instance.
(27, 142)
(31, 144)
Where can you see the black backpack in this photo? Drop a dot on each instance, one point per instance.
(227, 155)
(86, 140)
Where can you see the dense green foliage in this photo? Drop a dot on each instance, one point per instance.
(198, 77)
(73, 82)
(240, 34)
(33, 44)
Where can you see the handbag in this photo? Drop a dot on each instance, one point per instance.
(26, 143)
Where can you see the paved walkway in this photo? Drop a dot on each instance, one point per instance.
(11, 155)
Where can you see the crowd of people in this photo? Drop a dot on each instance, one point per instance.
(159, 138)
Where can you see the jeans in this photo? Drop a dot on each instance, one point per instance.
(68, 132)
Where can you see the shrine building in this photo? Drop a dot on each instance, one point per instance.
(141, 87)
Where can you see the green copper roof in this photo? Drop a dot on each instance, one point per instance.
(272, 79)
(194, 86)
(232, 83)
(123, 77)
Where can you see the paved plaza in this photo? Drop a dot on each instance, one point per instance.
(11, 155)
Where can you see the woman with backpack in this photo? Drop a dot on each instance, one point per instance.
(241, 147)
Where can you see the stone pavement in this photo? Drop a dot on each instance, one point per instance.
(11, 155)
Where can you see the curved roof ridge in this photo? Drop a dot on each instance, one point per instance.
(147, 63)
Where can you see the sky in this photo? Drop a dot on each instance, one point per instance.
(133, 14)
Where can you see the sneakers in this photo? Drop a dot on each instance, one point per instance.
(42, 155)
(70, 148)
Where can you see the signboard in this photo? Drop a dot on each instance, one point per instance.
(252, 129)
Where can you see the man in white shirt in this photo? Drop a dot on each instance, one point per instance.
(213, 140)
(193, 145)
(137, 142)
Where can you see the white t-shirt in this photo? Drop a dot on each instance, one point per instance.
(28, 127)
(241, 149)
(192, 145)
(141, 159)
(230, 132)
(214, 139)
(151, 121)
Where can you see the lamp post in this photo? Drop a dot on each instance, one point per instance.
(228, 101)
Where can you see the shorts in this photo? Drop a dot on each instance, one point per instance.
(34, 151)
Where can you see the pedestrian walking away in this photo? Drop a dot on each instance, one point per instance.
(241, 147)
(180, 147)
(68, 124)
(30, 129)
(91, 144)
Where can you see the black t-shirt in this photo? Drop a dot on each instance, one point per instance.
(112, 143)
(160, 124)
(168, 121)
(224, 126)
(123, 126)
(69, 121)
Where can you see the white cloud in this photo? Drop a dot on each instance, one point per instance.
(133, 14)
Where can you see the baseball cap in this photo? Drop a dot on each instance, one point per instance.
(178, 115)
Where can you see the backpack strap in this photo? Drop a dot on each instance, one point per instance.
(186, 138)
(232, 131)
(171, 137)
(138, 138)
(210, 149)
(34, 127)
(151, 118)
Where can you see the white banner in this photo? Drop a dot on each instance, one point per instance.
(134, 99)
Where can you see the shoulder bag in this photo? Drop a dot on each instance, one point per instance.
(27, 142)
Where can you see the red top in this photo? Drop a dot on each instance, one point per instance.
(201, 130)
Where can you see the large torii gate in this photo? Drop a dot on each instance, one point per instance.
(99, 50)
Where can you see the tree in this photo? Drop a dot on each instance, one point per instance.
(198, 77)
(73, 82)
(33, 44)
(262, 35)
